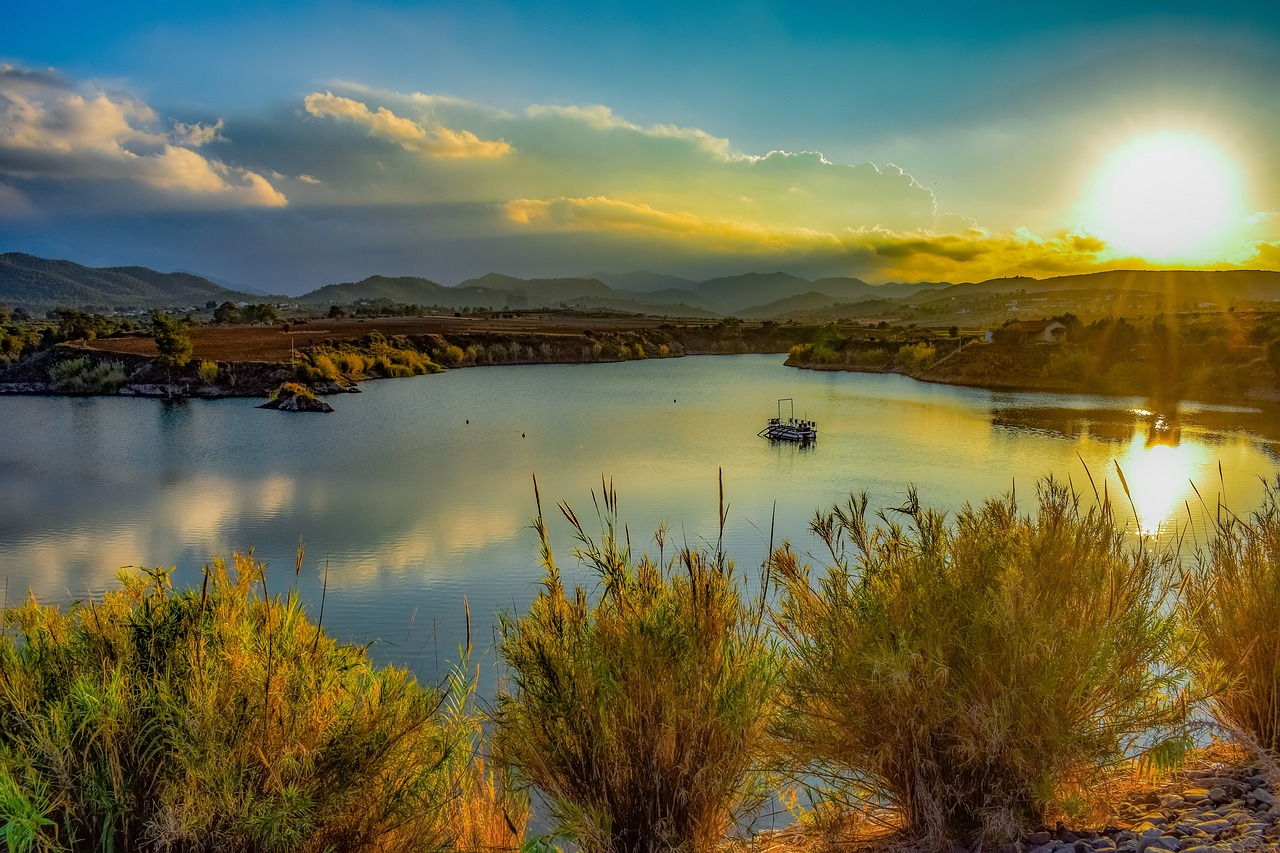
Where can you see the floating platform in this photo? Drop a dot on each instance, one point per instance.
(793, 429)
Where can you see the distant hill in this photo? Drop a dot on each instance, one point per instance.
(539, 292)
(1176, 285)
(405, 289)
(644, 281)
(38, 284)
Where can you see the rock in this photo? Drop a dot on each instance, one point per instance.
(287, 402)
(1214, 827)
(1219, 794)
(1038, 839)
(1262, 795)
(1048, 847)
(1146, 827)
(1160, 842)
(1196, 794)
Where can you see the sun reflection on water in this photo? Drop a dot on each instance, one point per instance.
(1158, 471)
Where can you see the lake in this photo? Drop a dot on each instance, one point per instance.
(419, 492)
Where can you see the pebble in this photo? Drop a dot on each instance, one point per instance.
(1222, 809)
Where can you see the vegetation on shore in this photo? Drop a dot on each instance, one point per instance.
(976, 675)
(640, 713)
(222, 719)
(1223, 357)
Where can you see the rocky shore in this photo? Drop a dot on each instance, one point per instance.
(1213, 805)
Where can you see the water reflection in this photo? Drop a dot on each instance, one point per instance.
(418, 491)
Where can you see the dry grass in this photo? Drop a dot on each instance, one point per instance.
(980, 674)
(223, 720)
(1233, 605)
(640, 713)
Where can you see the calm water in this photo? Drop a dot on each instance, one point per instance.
(409, 507)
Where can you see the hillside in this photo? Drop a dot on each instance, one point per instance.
(38, 284)
(409, 290)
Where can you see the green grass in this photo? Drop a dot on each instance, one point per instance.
(638, 712)
(221, 719)
(976, 673)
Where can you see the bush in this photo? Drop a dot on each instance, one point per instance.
(973, 672)
(84, 376)
(218, 720)
(1070, 363)
(916, 357)
(639, 715)
(1233, 605)
(208, 372)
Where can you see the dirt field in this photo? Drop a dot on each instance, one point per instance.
(271, 344)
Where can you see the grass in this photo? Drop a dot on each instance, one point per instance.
(978, 673)
(83, 375)
(1233, 606)
(223, 719)
(638, 712)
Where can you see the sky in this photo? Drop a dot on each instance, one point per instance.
(285, 146)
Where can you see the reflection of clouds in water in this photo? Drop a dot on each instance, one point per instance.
(71, 562)
(428, 547)
(192, 515)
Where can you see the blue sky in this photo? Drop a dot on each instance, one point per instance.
(290, 146)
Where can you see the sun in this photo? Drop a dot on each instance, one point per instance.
(1167, 196)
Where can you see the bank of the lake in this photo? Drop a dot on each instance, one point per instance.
(333, 356)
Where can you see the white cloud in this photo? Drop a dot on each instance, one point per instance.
(52, 130)
(433, 140)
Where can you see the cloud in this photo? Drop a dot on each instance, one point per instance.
(52, 130)
(911, 255)
(196, 134)
(432, 140)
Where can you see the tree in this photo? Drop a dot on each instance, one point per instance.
(227, 312)
(336, 312)
(173, 339)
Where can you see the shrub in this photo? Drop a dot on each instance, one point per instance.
(208, 372)
(873, 357)
(1071, 364)
(1233, 604)
(84, 376)
(974, 671)
(219, 720)
(916, 357)
(639, 715)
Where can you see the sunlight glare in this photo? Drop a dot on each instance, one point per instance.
(1167, 196)
(1158, 477)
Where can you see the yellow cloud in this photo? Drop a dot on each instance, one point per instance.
(437, 141)
(969, 253)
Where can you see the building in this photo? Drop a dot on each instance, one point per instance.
(1039, 331)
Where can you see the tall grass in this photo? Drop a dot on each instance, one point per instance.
(1233, 605)
(219, 720)
(975, 673)
(639, 711)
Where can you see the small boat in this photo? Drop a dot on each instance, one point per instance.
(801, 431)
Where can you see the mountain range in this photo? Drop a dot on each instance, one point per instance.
(37, 284)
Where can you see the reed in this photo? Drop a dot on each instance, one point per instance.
(1233, 606)
(219, 719)
(638, 712)
(977, 673)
